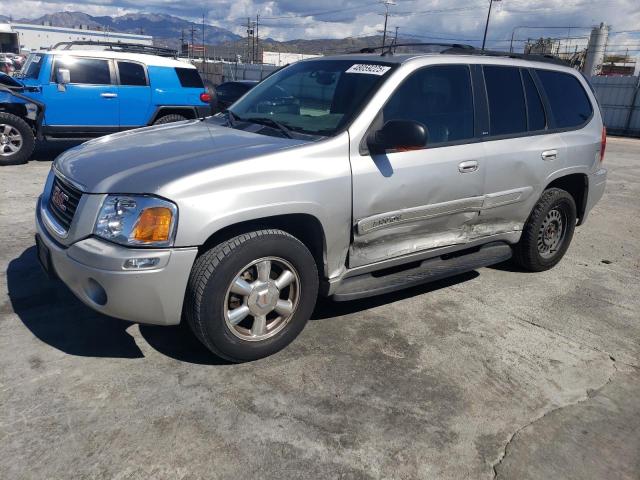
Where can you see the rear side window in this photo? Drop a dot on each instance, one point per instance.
(231, 90)
(189, 78)
(569, 102)
(535, 110)
(132, 74)
(507, 111)
(89, 71)
(440, 98)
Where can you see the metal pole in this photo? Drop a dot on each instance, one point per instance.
(384, 31)
(486, 26)
(258, 39)
(513, 32)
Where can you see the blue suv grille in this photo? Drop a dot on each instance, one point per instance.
(63, 202)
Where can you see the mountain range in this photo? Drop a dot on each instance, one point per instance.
(168, 30)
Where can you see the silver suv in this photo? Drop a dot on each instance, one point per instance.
(348, 176)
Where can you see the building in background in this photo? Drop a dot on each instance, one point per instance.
(282, 58)
(37, 37)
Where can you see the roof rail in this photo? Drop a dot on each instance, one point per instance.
(118, 47)
(536, 57)
(464, 49)
(386, 50)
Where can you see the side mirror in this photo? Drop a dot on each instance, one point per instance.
(397, 135)
(63, 76)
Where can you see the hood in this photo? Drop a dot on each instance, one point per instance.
(10, 82)
(146, 159)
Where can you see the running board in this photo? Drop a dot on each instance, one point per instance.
(368, 285)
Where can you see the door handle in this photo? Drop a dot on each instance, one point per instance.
(468, 166)
(549, 155)
(108, 95)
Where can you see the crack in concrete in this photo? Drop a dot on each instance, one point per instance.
(589, 393)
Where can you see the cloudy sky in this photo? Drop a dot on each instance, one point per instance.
(426, 20)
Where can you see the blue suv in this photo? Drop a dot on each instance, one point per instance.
(65, 94)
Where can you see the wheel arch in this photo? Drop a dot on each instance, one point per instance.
(186, 111)
(305, 227)
(577, 185)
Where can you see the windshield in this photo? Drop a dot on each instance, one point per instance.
(317, 97)
(31, 68)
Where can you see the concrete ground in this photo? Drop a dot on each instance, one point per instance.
(493, 373)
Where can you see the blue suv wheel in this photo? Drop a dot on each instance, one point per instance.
(16, 140)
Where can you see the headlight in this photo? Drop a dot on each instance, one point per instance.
(137, 220)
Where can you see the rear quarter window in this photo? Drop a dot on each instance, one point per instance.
(569, 102)
(189, 78)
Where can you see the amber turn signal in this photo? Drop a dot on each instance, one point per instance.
(154, 225)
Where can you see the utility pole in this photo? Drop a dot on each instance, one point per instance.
(486, 26)
(204, 49)
(248, 39)
(182, 42)
(387, 4)
(258, 38)
(193, 31)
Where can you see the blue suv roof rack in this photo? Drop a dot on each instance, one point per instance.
(119, 47)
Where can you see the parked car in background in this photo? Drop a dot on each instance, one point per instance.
(228, 92)
(7, 66)
(103, 88)
(346, 176)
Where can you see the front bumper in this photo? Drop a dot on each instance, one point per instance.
(93, 271)
(597, 184)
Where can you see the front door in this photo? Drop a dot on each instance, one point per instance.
(88, 102)
(411, 201)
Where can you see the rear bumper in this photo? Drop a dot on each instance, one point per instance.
(597, 184)
(93, 271)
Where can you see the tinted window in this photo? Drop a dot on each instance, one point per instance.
(569, 102)
(507, 112)
(189, 78)
(535, 110)
(84, 70)
(438, 97)
(231, 90)
(132, 74)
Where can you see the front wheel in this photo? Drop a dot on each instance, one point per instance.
(16, 140)
(251, 296)
(548, 232)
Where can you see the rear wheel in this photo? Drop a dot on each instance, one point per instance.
(548, 231)
(251, 296)
(170, 118)
(16, 140)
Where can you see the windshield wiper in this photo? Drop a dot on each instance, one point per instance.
(269, 122)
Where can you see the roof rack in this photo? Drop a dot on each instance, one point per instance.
(119, 47)
(464, 49)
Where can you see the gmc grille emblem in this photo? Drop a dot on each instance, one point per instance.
(58, 197)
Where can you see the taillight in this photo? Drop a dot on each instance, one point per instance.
(603, 143)
(205, 97)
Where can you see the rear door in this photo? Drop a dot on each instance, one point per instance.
(134, 94)
(89, 100)
(520, 148)
(410, 201)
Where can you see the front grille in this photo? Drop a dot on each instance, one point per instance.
(63, 202)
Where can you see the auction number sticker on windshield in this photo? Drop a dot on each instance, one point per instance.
(368, 68)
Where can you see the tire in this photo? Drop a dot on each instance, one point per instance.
(211, 294)
(15, 134)
(169, 118)
(548, 232)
